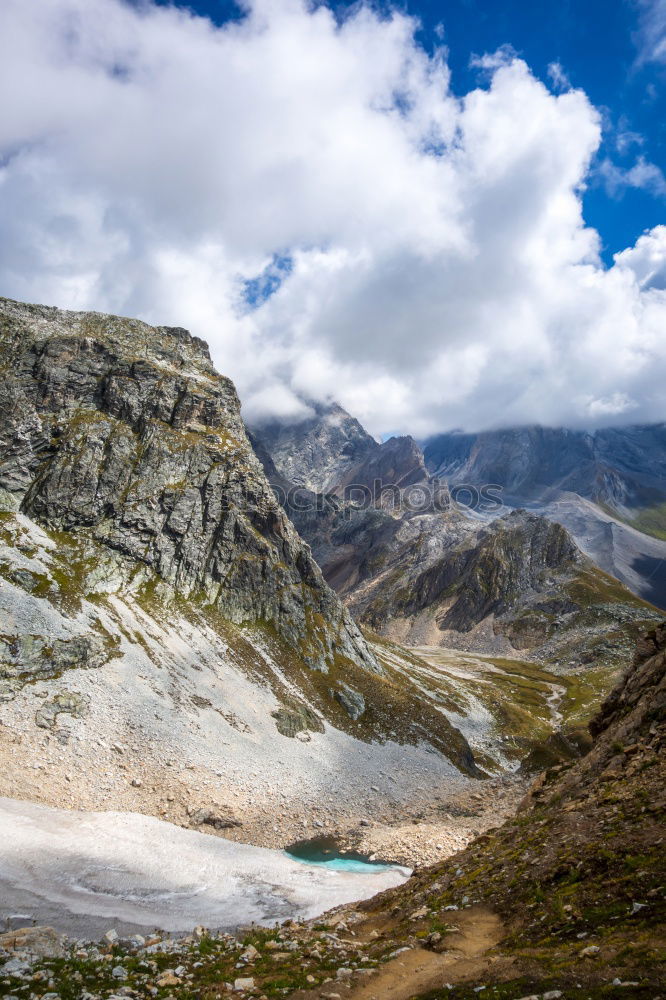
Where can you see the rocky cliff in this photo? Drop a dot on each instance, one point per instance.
(125, 435)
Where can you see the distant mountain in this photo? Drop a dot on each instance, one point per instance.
(607, 489)
(622, 468)
(438, 575)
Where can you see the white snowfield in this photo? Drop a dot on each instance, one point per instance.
(84, 872)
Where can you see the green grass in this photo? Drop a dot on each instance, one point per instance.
(652, 521)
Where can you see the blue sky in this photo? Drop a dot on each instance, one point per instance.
(456, 222)
(598, 45)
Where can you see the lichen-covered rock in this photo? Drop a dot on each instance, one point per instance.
(216, 818)
(352, 701)
(42, 941)
(297, 718)
(25, 657)
(124, 434)
(69, 702)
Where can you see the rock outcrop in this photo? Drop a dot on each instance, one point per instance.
(125, 435)
(518, 583)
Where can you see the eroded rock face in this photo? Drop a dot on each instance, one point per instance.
(640, 694)
(511, 558)
(124, 434)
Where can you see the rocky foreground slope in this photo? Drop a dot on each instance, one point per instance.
(160, 615)
(566, 900)
(577, 878)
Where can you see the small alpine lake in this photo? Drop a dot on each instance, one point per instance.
(326, 852)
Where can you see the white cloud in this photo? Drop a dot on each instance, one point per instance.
(647, 259)
(490, 61)
(440, 273)
(643, 174)
(559, 76)
(617, 403)
(651, 36)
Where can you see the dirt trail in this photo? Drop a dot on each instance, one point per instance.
(417, 971)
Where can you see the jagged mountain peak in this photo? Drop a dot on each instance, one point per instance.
(318, 451)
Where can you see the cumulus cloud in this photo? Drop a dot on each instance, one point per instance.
(647, 260)
(312, 199)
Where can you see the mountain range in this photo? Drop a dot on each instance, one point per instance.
(608, 489)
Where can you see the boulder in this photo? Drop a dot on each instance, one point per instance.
(42, 941)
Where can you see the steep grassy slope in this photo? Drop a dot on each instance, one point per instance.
(578, 877)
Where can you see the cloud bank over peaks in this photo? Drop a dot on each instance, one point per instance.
(314, 200)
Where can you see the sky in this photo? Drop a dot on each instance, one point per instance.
(442, 215)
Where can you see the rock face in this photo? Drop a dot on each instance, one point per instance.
(515, 556)
(124, 434)
(331, 453)
(395, 465)
(639, 697)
